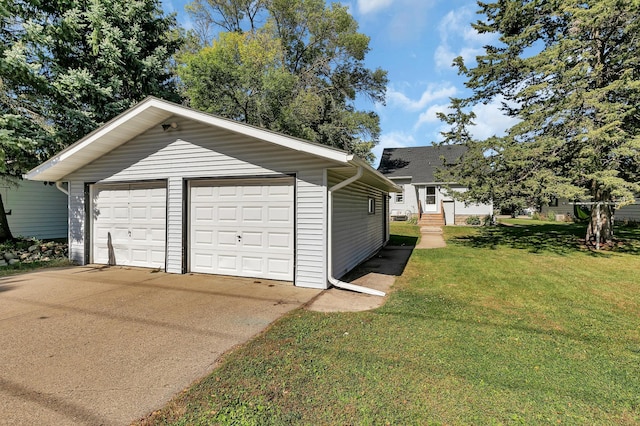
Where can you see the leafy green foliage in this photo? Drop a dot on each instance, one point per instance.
(68, 66)
(569, 71)
(299, 72)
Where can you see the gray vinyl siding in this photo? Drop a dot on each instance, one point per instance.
(629, 213)
(195, 150)
(37, 210)
(357, 235)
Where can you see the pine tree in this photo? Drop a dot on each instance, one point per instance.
(569, 71)
(68, 66)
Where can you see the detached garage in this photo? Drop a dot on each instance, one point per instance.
(167, 187)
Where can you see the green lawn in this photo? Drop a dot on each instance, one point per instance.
(507, 325)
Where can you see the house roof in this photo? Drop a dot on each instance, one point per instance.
(154, 112)
(418, 163)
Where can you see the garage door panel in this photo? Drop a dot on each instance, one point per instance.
(134, 216)
(252, 214)
(279, 240)
(227, 214)
(279, 266)
(252, 191)
(252, 224)
(279, 214)
(252, 240)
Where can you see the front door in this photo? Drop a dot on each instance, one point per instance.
(429, 199)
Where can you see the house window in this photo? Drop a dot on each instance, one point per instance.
(554, 202)
(399, 197)
(430, 198)
(372, 205)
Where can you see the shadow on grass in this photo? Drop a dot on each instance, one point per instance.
(558, 238)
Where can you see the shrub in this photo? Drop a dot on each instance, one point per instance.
(473, 220)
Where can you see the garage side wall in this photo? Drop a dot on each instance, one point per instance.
(357, 233)
(195, 150)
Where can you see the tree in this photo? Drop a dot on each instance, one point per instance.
(569, 71)
(68, 66)
(296, 67)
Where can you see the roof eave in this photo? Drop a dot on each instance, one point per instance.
(387, 184)
(148, 113)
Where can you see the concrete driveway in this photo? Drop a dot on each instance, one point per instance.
(102, 346)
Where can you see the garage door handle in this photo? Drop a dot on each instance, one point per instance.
(129, 232)
(239, 237)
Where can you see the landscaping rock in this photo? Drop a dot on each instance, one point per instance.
(33, 251)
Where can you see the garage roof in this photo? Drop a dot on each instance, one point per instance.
(152, 112)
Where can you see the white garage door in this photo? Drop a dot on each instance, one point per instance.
(129, 224)
(242, 228)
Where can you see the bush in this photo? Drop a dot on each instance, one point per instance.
(473, 220)
(489, 220)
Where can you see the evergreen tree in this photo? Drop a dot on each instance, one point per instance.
(569, 71)
(295, 67)
(68, 66)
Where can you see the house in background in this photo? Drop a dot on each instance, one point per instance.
(563, 208)
(165, 186)
(413, 169)
(35, 209)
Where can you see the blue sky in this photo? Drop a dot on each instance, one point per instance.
(415, 41)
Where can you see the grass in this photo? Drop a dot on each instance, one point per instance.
(489, 330)
(22, 268)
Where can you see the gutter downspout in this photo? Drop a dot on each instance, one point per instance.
(333, 281)
(59, 186)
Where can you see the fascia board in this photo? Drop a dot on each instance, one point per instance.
(153, 111)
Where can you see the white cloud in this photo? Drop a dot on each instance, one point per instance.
(370, 6)
(432, 93)
(430, 115)
(458, 38)
(490, 120)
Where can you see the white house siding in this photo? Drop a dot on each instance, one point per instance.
(357, 235)
(409, 198)
(175, 223)
(463, 211)
(37, 209)
(195, 150)
(76, 222)
(413, 194)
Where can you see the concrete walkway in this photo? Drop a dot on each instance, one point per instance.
(431, 237)
(379, 273)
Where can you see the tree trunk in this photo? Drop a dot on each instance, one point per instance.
(600, 228)
(5, 232)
